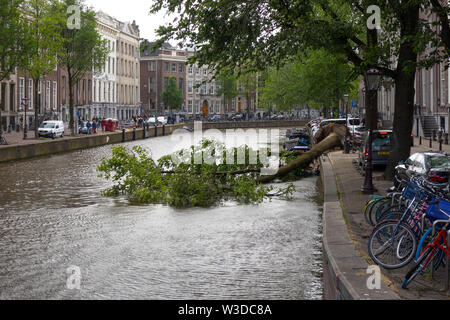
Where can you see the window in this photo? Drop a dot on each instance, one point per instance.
(197, 106)
(47, 95)
(204, 88)
(190, 86)
(55, 94)
(197, 71)
(218, 106)
(211, 88)
(190, 106)
(197, 84)
(166, 67)
(205, 71)
(113, 65)
(174, 67)
(151, 66)
(63, 82)
(166, 82)
(191, 70)
(95, 90)
(109, 65)
(21, 92)
(150, 85)
(30, 92)
(181, 68)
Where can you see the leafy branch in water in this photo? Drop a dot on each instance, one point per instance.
(200, 176)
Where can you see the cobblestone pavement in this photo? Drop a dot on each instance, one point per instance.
(350, 180)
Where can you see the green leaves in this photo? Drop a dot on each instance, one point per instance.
(172, 96)
(187, 184)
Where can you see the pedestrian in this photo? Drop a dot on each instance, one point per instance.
(88, 126)
(94, 127)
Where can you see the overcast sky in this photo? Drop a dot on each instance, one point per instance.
(129, 10)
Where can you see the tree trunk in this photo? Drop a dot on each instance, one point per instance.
(404, 94)
(36, 108)
(71, 115)
(332, 141)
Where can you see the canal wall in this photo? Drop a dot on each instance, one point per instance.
(345, 271)
(45, 147)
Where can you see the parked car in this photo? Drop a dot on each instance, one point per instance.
(323, 123)
(162, 120)
(382, 143)
(237, 117)
(151, 121)
(215, 118)
(435, 166)
(358, 133)
(51, 129)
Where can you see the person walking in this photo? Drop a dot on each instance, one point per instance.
(88, 126)
(94, 127)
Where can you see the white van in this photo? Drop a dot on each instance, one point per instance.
(51, 129)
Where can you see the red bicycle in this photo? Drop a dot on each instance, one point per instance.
(434, 251)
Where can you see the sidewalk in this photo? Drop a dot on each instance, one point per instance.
(349, 181)
(16, 138)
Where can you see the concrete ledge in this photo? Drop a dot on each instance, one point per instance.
(48, 147)
(345, 271)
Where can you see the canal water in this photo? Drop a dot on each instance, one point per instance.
(60, 239)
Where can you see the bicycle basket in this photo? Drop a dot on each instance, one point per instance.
(434, 214)
(409, 192)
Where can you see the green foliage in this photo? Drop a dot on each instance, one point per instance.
(172, 96)
(83, 49)
(177, 180)
(317, 78)
(14, 43)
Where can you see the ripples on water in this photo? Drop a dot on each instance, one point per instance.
(52, 216)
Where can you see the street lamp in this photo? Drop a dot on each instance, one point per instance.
(373, 81)
(346, 146)
(25, 104)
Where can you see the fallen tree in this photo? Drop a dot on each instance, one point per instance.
(187, 183)
(327, 138)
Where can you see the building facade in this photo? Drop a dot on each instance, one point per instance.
(156, 69)
(127, 90)
(8, 103)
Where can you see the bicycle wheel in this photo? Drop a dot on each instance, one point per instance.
(367, 208)
(374, 208)
(420, 266)
(390, 215)
(392, 245)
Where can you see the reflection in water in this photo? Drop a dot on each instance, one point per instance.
(52, 216)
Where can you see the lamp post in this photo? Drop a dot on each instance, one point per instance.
(346, 146)
(25, 105)
(373, 80)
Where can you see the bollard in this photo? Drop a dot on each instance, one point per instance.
(446, 138)
(123, 135)
(164, 130)
(156, 131)
(434, 134)
(143, 131)
(420, 140)
(134, 133)
(440, 145)
(431, 142)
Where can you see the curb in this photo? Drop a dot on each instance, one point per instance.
(346, 275)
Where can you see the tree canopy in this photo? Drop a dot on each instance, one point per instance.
(172, 96)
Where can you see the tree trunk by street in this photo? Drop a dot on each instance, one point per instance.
(71, 107)
(36, 109)
(332, 141)
(404, 94)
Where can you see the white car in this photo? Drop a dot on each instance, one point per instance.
(162, 120)
(151, 121)
(51, 129)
